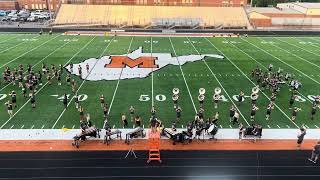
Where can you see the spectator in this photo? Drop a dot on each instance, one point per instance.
(301, 135)
(315, 153)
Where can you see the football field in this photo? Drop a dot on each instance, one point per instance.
(299, 56)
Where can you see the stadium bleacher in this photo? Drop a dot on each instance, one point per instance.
(148, 16)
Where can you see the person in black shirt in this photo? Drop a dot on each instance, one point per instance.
(240, 97)
(33, 100)
(76, 101)
(105, 111)
(313, 110)
(65, 101)
(269, 109)
(294, 113)
(231, 112)
(178, 111)
(137, 121)
(9, 108)
(131, 111)
(301, 135)
(102, 101)
(153, 112)
(292, 99)
(315, 153)
(13, 99)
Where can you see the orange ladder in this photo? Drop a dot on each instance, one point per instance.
(154, 146)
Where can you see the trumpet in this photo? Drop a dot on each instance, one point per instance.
(201, 97)
(202, 91)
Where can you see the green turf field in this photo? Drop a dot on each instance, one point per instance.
(296, 55)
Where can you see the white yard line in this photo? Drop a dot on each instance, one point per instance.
(14, 36)
(84, 80)
(297, 55)
(42, 87)
(185, 81)
(219, 82)
(263, 66)
(116, 89)
(42, 126)
(22, 127)
(152, 98)
(14, 46)
(251, 81)
(29, 51)
(39, 62)
(281, 61)
(32, 127)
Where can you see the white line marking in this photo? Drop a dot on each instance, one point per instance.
(84, 80)
(306, 126)
(278, 126)
(221, 126)
(288, 126)
(268, 126)
(32, 126)
(62, 127)
(22, 127)
(116, 89)
(29, 51)
(73, 126)
(316, 126)
(42, 127)
(230, 126)
(282, 61)
(14, 45)
(185, 81)
(11, 127)
(113, 126)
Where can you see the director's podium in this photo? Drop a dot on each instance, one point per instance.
(154, 145)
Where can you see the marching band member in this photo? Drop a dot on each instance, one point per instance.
(253, 112)
(13, 95)
(9, 108)
(269, 109)
(131, 111)
(59, 78)
(105, 111)
(124, 120)
(76, 101)
(240, 97)
(68, 79)
(71, 68)
(294, 113)
(137, 121)
(80, 70)
(65, 101)
(235, 118)
(201, 113)
(102, 102)
(87, 67)
(73, 85)
(232, 111)
(81, 112)
(292, 99)
(215, 118)
(33, 100)
(178, 111)
(153, 112)
(313, 110)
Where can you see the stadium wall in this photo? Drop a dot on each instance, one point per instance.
(9, 5)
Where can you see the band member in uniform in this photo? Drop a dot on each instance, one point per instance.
(273, 97)
(124, 120)
(87, 67)
(301, 135)
(59, 78)
(235, 118)
(65, 101)
(270, 67)
(178, 111)
(232, 110)
(105, 111)
(13, 99)
(49, 79)
(253, 112)
(137, 121)
(68, 79)
(241, 131)
(215, 118)
(240, 97)
(73, 85)
(24, 92)
(131, 111)
(201, 113)
(269, 109)
(76, 101)
(80, 70)
(40, 78)
(61, 68)
(44, 68)
(294, 113)
(71, 68)
(33, 100)
(153, 112)
(9, 108)
(292, 99)
(102, 102)
(81, 112)
(313, 110)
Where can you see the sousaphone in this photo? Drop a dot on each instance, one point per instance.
(202, 91)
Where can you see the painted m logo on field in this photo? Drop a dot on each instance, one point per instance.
(123, 61)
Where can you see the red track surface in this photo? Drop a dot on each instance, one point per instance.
(65, 145)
